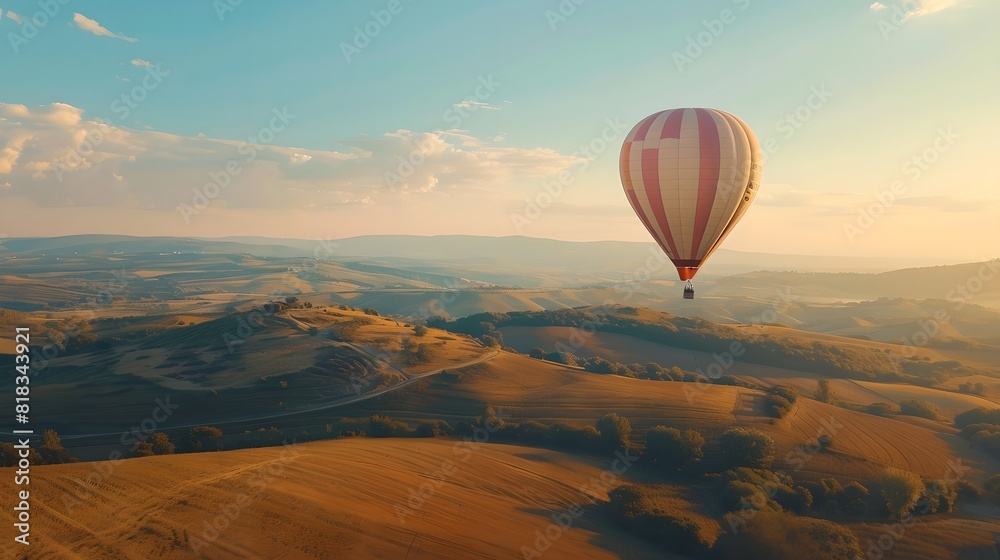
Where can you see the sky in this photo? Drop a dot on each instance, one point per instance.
(324, 120)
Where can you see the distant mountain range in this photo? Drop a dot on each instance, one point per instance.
(610, 257)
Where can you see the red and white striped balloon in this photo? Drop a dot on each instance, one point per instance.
(690, 175)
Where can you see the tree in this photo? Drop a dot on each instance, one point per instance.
(921, 409)
(823, 392)
(901, 490)
(420, 330)
(881, 409)
(52, 450)
(9, 455)
(160, 444)
(779, 535)
(537, 353)
(854, 499)
(938, 495)
(614, 430)
(143, 449)
(746, 447)
(671, 450)
(202, 438)
(291, 300)
(427, 429)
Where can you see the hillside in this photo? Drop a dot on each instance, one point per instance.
(243, 366)
(315, 501)
(522, 388)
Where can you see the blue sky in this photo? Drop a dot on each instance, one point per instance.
(886, 82)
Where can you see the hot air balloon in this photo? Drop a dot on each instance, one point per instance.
(690, 175)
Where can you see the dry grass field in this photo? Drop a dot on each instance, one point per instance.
(339, 499)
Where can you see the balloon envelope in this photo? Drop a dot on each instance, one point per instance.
(690, 175)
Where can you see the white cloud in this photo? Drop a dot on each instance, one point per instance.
(919, 8)
(470, 103)
(55, 158)
(56, 113)
(141, 62)
(914, 8)
(87, 24)
(16, 18)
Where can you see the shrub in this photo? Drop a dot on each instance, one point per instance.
(565, 358)
(901, 490)
(638, 510)
(780, 400)
(143, 449)
(938, 495)
(882, 409)
(578, 437)
(419, 330)
(426, 429)
(823, 391)
(971, 430)
(9, 456)
(988, 440)
(763, 490)
(921, 409)
(671, 450)
(783, 536)
(746, 447)
(261, 437)
(201, 438)
(615, 431)
(853, 499)
(52, 451)
(980, 415)
(384, 426)
(160, 444)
